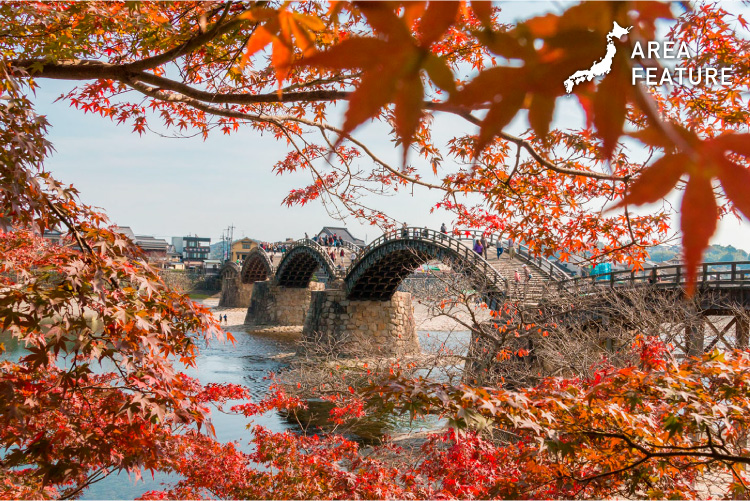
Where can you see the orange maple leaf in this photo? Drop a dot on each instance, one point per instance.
(391, 65)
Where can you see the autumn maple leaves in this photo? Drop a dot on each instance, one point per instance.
(391, 63)
(403, 64)
(401, 47)
(701, 161)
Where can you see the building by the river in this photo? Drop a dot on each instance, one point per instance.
(241, 248)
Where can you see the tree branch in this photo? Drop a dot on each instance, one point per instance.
(201, 39)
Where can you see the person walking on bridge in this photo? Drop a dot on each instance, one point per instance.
(511, 248)
(517, 283)
(526, 280)
(499, 246)
(653, 276)
(478, 247)
(404, 230)
(483, 241)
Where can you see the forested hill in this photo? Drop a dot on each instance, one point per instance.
(714, 253)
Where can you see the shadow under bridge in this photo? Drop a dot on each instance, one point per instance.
(257, 267)
(301, 261)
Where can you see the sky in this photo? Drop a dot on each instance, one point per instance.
(168, 187)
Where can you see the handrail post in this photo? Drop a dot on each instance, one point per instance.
(734, 272)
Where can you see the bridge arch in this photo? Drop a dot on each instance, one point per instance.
(301, 261)
(387, 261)
(230, 271)
(257, 267)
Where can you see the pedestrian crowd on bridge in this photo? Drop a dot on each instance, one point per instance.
(335, 254)
(273, 248)
(329, 240)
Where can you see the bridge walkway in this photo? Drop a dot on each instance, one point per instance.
(542, 271)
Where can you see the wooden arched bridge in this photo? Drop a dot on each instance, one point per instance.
(360, 281)
(373, 272)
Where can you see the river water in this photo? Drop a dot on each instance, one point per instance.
(248, 361)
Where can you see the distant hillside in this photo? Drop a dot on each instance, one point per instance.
(714, 254)
(217, 250)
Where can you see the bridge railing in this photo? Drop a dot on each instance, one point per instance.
(714, 275)
(553, 270)
(479, 264)
(352, 246)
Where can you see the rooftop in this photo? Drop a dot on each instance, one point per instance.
(341, 232)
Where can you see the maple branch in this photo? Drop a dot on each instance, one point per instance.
(170, 97)
(313, 169)
(736, 475)
(515, 167)
(84, 69)
(466, 115)
(71, 227)
(102, 473)
(676, 451)
(233, 98)
(612, 472)
(274, 120)
(82, 243)
(79, 69)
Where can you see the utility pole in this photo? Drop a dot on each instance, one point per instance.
(230, 235)
(223, 246)
(227, 245)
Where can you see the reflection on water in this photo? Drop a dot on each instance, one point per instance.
(252, 357)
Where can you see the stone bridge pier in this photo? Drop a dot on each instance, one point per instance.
(234, 293)
(344, 326)
(272, 304)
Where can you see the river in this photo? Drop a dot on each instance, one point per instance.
(248, 361)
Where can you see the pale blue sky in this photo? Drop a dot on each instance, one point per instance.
(173, 187)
